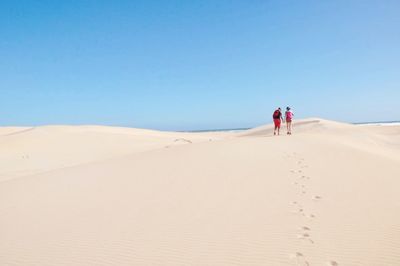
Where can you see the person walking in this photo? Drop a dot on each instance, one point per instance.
(289, 118)
(277, 117)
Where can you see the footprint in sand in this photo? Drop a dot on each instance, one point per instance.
(300, 260)
(299, 211)
(305, 236)
(333, 263)
(305, 228)
(179, 141)
(297, 255)
(316, 198)
(183, 140)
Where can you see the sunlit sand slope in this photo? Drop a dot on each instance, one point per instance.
(327, 195)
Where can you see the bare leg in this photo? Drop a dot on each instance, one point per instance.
(287, 127)
(290, 127)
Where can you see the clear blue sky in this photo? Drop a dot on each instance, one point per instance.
(197, 64)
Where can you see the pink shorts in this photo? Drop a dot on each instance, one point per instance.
(277, 123)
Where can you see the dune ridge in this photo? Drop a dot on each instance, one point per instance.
(94, 195)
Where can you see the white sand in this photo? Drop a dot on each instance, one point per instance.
(91, 195)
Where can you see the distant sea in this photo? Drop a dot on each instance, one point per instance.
(378, 123)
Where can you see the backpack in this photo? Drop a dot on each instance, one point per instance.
(276, 114)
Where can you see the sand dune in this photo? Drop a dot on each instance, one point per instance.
(26, 151)
(91, 195)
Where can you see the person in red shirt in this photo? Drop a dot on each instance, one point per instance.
(277, 117)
